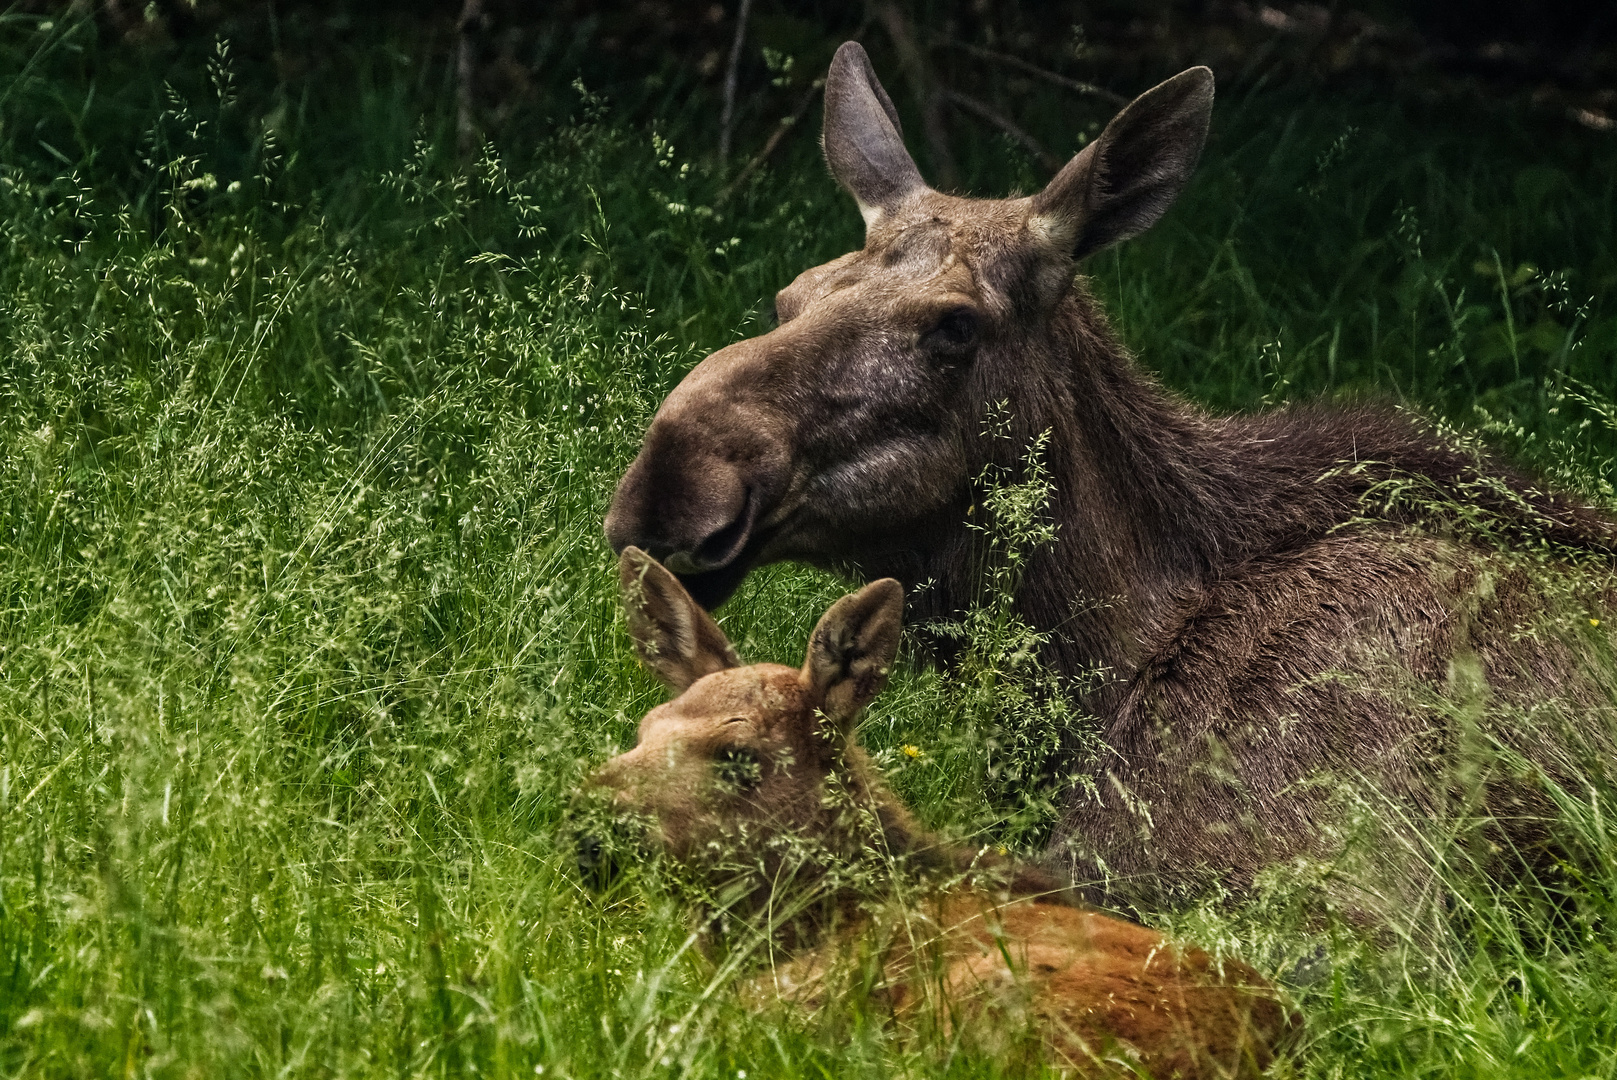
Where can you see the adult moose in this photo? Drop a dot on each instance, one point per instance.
(1258, 630)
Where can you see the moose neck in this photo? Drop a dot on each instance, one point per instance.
(855, 853)
(1153, 497)
(897, 860)
(865, 800)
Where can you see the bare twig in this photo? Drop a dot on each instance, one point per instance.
(919, 74)
(787, 123)
(471, 21)
(727, 116)
(987, 112)
(1033, 69)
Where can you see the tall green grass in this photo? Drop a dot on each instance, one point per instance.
(307, 628)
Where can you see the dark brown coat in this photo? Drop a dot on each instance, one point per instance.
(1262, 621)
(751, 781)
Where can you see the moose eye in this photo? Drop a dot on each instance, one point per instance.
(738, 769)
(954, 335)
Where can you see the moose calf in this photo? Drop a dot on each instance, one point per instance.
(751, 778)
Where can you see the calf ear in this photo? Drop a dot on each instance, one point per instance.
(675, 638)
(864, 144)
(852, 649)
(1120, 184)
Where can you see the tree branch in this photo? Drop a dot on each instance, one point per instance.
(927, 93)
(731, 72)
(471, 21)
(1033, 69)
(776, 137)
(787, 125)
(987, 112)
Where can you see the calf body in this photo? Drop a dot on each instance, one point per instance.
(750, 781)
(1258, 615)
(1094, 991)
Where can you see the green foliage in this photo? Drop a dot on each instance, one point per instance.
(307, 628)
(1002, 718)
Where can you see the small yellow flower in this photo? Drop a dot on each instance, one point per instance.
(911, 750)
(1594, 622)
(1002, 849)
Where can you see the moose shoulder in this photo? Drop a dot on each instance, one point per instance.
(1258, 628)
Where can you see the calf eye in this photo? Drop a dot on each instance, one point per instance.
(954, 335)
(738, 769)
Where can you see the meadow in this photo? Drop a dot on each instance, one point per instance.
(308, 629)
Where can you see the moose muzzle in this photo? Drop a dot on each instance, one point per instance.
(715, 462)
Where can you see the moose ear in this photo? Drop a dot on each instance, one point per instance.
(864, 144)
(852, 649)
(675, 638)
(1120, 184)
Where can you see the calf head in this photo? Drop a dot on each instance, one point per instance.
(852, 431)
(730, 778)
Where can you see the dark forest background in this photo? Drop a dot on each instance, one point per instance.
(1484, 130)
(507, 68)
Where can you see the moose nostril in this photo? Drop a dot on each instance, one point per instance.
(692, 518)
(721, 546)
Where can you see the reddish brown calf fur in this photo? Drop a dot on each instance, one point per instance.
(1091, 989)
(986, 947)
(1258, 617)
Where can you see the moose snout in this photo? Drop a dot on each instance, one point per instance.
(723, 544)
(604, 840)
(598, 864)
(696, 501)
(690, 512)
(716, 461)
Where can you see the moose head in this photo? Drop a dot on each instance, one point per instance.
(737, 776)
(850, 434)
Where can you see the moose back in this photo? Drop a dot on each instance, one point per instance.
(1261, 622)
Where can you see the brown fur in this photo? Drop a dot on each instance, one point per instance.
(977, 940)
(1094, 991)
(1261, 622)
